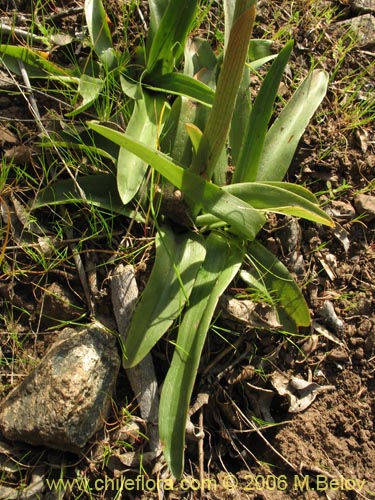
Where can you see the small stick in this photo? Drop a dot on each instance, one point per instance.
(201, 452)
(10, 30)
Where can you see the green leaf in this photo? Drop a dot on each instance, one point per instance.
(283, 137)
(240, 119)
(283, 198)
(99, 190)
(260, 49)
(178, 257)
(157, 10)
(175, 139)
(243, 219)
(295, 189)
(201, 64)
(222, 262)
(131, 88)
(195, 135)
(200, 61)
(258, 63)
(100, 34)
(143, 125)
(278, 281)
(169, 40)
(89, 88)
(277, 197)
(256, 128)
(37, 65)
(97, 147)
(183, 85)
(229, 6)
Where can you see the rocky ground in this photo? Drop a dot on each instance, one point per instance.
(283, 417)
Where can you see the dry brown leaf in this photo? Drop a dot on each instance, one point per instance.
(252, 314)
(18, 155)
(6, 136)
(299, 392)
(322, 330)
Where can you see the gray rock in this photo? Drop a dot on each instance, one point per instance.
(363, 28)
(66, 398)
(365, 204)
(362, 6)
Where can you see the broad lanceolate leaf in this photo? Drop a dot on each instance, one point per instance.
(157, 10)
(169, 40)
(143, 125)
(289, 199)
(243, 219)
(99, 33)
(276, 278)
(183, 85)
(282, 138)
(277, 197)
(178, 258)
(256, 128)
(223, 260)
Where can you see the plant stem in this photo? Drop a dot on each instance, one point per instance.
(218, 124)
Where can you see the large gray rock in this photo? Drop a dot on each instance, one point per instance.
(365, 206)
(66, 398)
(362, 27)
(362, 6)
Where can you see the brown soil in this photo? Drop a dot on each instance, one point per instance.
(325, 451)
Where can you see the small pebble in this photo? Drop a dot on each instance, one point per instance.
(359, 353)
(365, 205)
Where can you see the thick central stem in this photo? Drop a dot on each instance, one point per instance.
(218, 124)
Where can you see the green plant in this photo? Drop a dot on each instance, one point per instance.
(202, 264)
(206, 221)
